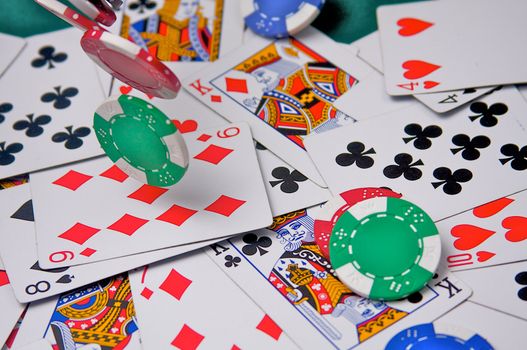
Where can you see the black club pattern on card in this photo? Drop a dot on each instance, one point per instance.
(48, 57)
(487, 115)
(468, 147)
(420, 136)
(451, 181)
(4, 108)
(61, 98)
(405, 166)
(7, 152)
(287, 179)
(232, 261)
(515, 155)
(255, 244)
(141, 5)
(71, 138)
(32, 126)
(357, 154)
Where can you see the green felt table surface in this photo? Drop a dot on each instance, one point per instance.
(343, 20)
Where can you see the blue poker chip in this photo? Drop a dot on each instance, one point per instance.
(437, 336)
(279, 18)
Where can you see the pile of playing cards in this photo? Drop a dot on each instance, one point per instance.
(228, 258)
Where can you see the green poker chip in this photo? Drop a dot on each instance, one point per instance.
(385, 248)
(141, 140)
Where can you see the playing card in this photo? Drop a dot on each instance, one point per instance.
(510, 294)
(178, 291)
(11, 47)
(289, 190)
(369, 99)
(441, 102)
(284, 89)
(432, 160)
(221, 194)
(98, 316)
(11, 308)
(46, 108)
(523, 90)
(501, 331)
(41, 344)
(186, 34)
(18, 247)
(284, 272)
(433, 46)
(490, 234)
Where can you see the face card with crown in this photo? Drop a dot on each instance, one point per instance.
(284, 89)
(221, 194)
(185, 34)
(460, 159)
(100, 315)
(493, 233)
(18, 248)
(178, 291)
(285, 273)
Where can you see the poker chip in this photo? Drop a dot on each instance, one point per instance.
(67, 14)
(141, 140)
(129, 63)
(437, 336)
(334, 207)
(279, 19)
(97, 10)
(384, 248)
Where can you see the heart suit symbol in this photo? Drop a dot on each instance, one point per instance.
(469, 236)
(416, 69)
(411, 26)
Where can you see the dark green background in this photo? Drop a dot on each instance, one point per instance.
(343, 20)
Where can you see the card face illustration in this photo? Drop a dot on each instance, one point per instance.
(284, 89)
(285, 273)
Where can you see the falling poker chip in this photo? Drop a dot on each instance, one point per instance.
(437, 336)
(279, 19)
(129, 63)
(385, 248)
(333, 209)
(67, 14)
(98, 10)
(141, 140)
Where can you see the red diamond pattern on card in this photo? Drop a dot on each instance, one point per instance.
(203, 137)
(236, 85)
(175, 284)
(176, 215)
(88, 252)
(128, 224)
(187, 339)
(79, 233)
(72, 180)
(3, 278)
(225, 205)
(213, 154)
(215, 98)
(114, 173)
(146, 293)
(148, 193)
(269, 327)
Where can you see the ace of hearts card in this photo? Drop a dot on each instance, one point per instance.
(284, 89)
(221, 194)
(284, 272)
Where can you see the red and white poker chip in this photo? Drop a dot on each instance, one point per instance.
(129, 63)
(67, 14)
(336, 206)
(98, 10)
